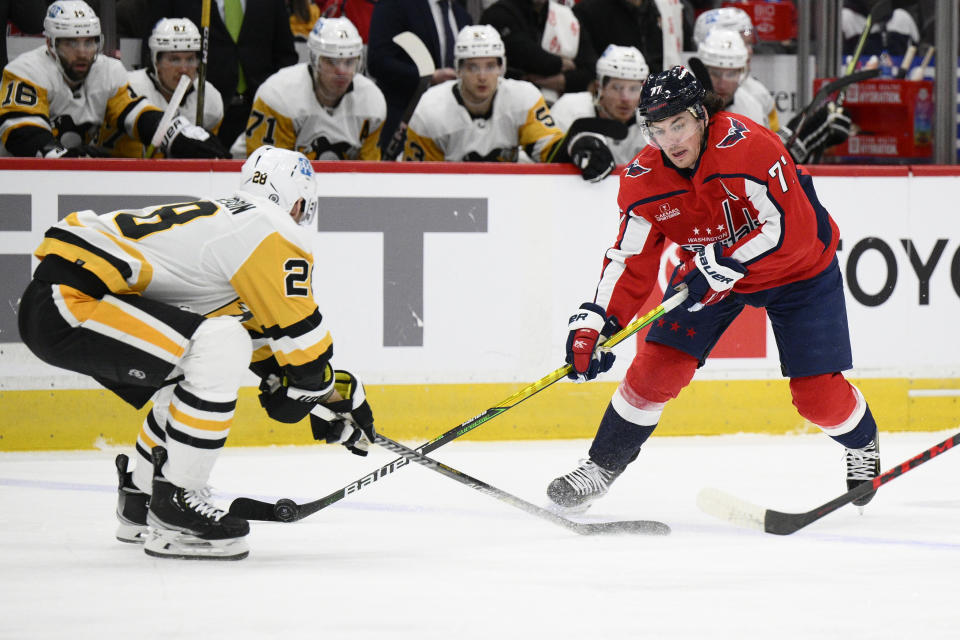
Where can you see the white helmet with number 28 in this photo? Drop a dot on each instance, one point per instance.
(282, 177)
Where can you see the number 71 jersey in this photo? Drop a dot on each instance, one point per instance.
(237, 255)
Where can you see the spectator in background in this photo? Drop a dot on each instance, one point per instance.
(481, 116)
(26, 15)
(358, 11)
(58, 95)
(323, 109)
(436, 22)
(892, 32)
(521, 24)
(738, 20)
(621, 72)
(174, 52)
(249, 41)
(629, 23)
(303, 15)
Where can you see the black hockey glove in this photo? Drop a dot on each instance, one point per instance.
(287, 404)
(826, 127)
(588, 327)
(590, 153)
(353, 425)
(56, 150)
(185, 140)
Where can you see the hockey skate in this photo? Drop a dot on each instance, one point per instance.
(185, 525)
(132, 505)
(575, 491)
(863, 465)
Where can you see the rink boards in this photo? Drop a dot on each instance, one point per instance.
(447, 288)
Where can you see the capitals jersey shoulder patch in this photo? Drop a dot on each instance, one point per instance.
(735, 134)
(635, 169)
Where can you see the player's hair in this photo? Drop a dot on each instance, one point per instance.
(712, 103)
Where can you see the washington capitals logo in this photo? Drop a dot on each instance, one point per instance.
(734, 135)
(635, 169)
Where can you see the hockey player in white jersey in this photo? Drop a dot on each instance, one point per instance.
(734, 19)
(173, 303)
(481, 116)
(55, 97)
(725, 56)
(326, 109)
(621, 72)
(174, 52)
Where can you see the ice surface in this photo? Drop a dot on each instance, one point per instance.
(416, 555)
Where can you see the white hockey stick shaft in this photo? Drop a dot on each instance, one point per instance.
(169, 113)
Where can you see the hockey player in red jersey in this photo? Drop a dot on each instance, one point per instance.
(751, 231)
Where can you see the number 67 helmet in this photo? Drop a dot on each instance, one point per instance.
(282, 177)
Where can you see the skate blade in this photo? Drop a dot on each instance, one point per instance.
(131, 533)
(183, 546)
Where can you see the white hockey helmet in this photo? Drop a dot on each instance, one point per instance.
(479, 41)
(71, 19)
(333, 38)
(173, 34)
(625, 63)
(724, 49)
(730, 18)
(282, 177)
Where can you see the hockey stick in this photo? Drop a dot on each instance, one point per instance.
(602, 126)
(744, 514)
(169, 113)
(827, 89)
(204, 47)
(650, 527)
(286, 510)
(418, 52)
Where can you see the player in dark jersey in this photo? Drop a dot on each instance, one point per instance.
(750, 231)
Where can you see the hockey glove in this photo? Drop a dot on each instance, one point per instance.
(709, 277)
(590, 153)
(826, 127)
(185, 140)
(589, 327)
(353, 426)
(287, 404)
(56, 150)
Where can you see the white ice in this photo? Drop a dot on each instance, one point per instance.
(416, 555)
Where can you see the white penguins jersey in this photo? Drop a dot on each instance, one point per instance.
(441, 128)
(287, 114)
(573, 106)
(762, 95)
(239, 255)
(118, 143)
(35, 93)
(746, 104)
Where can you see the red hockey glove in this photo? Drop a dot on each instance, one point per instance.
(709, 277)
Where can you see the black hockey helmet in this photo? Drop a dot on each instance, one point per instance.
(669, 92)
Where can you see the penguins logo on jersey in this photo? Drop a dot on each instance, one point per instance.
(635, 169)
(734, 135)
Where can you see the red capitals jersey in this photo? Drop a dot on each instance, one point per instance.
(744, 192)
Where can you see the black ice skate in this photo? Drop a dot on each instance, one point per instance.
(863, 465)
(132, 506)
(575, 491)
(183, 524)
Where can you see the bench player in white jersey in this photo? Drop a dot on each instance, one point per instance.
(326, 109)
(174, 52)
(481, 116)
(725, 56)
(824, 128)
(620, 75)
(734, 19)
(173, 303)
(54, 98)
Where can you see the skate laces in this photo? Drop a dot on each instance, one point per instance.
(197, 499)
(589, 477)
(862, 463)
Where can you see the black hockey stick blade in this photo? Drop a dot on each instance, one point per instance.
(699, 69)
(750, 516)
(645, 527)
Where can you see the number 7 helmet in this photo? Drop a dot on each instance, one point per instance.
(282, 177)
